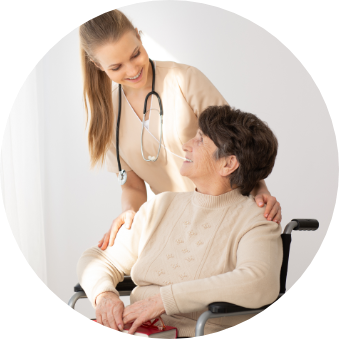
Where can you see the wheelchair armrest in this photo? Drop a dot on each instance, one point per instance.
(126, 285)
(224, 307)
(78, 288)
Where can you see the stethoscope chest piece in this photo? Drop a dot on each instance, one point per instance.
(122, 177)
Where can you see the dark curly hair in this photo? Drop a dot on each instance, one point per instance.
(247, 137)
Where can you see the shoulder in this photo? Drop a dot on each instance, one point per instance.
(252, 216)
(253, 211)
(169, 197)
(170, 66)
(162, 201)
(176, 69)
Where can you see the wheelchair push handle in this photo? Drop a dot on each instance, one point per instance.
(306, 224)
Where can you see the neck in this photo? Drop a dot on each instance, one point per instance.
(213, 187)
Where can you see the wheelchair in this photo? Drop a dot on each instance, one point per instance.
(224, 309)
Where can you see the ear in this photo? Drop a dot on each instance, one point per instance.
(229, 165)
(137, 33)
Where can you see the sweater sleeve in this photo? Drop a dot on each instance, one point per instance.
(100, 271)
(253, 283)
(199, 91)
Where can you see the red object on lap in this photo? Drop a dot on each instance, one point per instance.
(150, 330)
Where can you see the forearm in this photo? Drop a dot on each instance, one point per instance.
(97, 274)
(133, 198)
(246, 287)
(260, 188)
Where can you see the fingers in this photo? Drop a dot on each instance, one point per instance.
(129, 219)
(109, 311)
(101, 241)
(117, 313)
(259, 200)
(269, 205)
(103, 319)
(105, 242)
(98, 317)
(138, 322)
(109, 238)
(277, 218)
(275, 213)
(117, 223)
(111, 321)
(124, 218)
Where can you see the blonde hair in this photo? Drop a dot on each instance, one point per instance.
(97, 86)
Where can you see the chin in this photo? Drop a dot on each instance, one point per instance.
(184, 173)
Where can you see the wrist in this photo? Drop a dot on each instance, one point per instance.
(263, 191)
(106, 295)
(260, 188)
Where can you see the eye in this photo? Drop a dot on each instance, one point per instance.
(134, 56)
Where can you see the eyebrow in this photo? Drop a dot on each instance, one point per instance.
(131, 57)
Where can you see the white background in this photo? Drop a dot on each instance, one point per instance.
(254, 71)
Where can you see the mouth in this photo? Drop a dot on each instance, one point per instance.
(188, 160)
(137, 77)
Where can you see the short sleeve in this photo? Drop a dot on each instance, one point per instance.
(199, 91)
(112, 163)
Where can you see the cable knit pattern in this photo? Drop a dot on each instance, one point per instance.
(193, 249)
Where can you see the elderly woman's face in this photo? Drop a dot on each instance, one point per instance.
(200, 151)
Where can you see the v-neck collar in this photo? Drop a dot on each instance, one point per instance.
(150, 122)
(150, 109)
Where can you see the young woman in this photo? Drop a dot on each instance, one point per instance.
(118, 75)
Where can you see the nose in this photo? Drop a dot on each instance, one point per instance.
(132, 70)
(187, 147)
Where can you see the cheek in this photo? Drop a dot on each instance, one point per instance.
(115, 76)
(205, 165)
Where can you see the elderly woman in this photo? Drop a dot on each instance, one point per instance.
(187, 250)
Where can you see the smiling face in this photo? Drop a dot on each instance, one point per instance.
(125, 61)
(210, 176)
(200, 151)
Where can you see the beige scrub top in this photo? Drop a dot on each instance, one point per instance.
(185, 92)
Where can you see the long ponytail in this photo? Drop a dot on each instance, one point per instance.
(97, 86)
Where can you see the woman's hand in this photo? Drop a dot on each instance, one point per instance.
(109, 237)
(273, 208)
(142, 311)
(109, 310)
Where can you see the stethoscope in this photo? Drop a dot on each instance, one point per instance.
(122, 177)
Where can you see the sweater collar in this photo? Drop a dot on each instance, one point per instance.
(219, 201)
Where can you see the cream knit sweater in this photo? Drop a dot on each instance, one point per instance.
(193, 249)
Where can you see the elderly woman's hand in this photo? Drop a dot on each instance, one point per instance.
(109, 310)
(142, 311)
(273, 208)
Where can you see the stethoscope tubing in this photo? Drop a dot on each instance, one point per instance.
(153, 159)
(122, 177)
